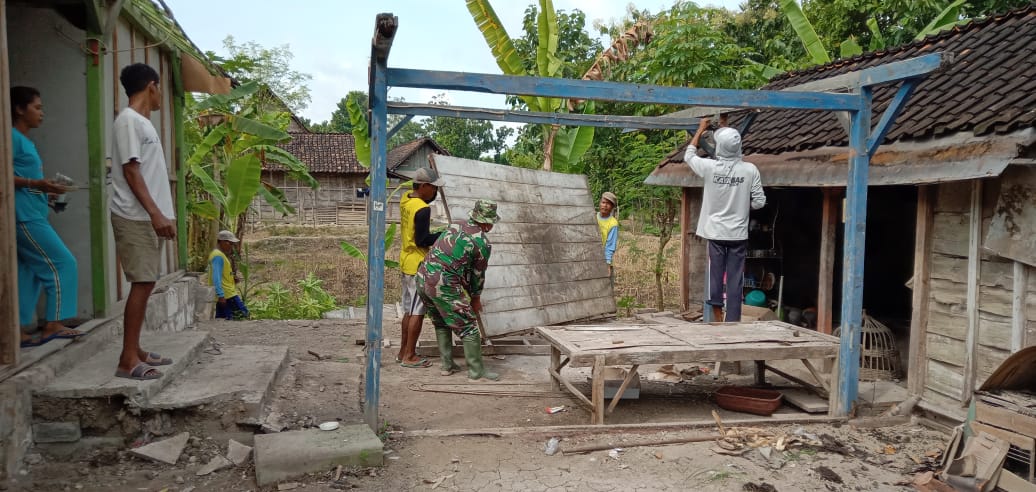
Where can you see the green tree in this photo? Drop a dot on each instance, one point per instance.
(465, 138)
(251, 62)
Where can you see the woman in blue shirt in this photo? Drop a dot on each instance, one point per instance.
(44, 263)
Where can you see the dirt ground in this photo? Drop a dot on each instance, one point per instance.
(286, 252)
(312, 391)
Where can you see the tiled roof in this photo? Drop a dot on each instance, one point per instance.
(322, 153)
(989, 87)
(403, 152)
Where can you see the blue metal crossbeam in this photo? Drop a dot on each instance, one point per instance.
(399, 125)
(891, 113)
(615, 91)
(568, 119)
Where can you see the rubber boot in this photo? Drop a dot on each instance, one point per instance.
(717, 314)
(444, 337)
(473, 354)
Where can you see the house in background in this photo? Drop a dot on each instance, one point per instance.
(73, 52)
(951, 216)
(341, 198)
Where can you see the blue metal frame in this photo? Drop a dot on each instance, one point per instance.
(862, 143)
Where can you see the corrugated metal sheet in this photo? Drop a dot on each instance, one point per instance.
(949, 159)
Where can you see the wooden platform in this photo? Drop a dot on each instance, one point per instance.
(673, 342)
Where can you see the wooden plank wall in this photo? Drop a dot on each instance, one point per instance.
(991, 325)
(547, 264)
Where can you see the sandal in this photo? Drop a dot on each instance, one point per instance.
(416, 365)
(142, 372)
(154, 359)
(65, 333)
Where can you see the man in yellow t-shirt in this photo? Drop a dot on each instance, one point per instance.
(608, 225)
(221, 276)
(415, 218)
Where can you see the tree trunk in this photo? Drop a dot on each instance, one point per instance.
(548, 147)
(663, 239)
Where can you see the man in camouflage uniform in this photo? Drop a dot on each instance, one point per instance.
(450, 284)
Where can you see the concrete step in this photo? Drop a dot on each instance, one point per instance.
(94, 377)
(241, 376)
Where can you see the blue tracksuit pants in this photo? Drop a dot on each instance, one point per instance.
(45, 264)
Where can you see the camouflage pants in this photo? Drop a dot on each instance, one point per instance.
(449, 307)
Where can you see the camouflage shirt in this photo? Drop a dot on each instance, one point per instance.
(458, 258)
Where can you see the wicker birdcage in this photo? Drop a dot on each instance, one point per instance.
(879, 357)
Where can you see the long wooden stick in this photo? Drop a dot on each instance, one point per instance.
(622, 388)
(589, 429)
(656, 442)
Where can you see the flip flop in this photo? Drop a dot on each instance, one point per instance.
(417, 365)
(34, 342)
(154, 359)
(142, 372)
(66, 333)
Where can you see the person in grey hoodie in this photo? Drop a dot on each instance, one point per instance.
(732, 188)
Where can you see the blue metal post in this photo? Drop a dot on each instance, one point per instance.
(852, 268)
(376, 241)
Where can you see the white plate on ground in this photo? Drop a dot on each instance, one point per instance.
(329, 426)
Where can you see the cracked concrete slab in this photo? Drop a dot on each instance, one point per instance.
(241, 373)
(95, 376)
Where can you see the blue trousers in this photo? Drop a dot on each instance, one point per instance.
(727, 260)
(45, 265)
(234, 309)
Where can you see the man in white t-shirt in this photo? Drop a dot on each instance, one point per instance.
(141, 211)
(732, 188)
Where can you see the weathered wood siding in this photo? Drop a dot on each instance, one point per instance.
(948, 310)
(547, 265)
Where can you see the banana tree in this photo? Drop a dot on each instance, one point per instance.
(225, 166)
(574, 141)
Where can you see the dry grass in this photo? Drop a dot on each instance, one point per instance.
(287, 254)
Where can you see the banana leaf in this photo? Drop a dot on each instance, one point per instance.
(877, 39)
(243, 182)
(949, 17)
(222, 102)
(257, 128)
(361, 134)
(297, 169)
(500, 43)
(205, 209)
(805, 30)
(352, 251)
(571, 143)
(547, 62)
(208, 184)
(276, 198)
(205, 147)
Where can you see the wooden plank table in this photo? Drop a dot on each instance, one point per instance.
(674, 342)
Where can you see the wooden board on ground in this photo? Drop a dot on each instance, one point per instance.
(805, 400)
(547, 264)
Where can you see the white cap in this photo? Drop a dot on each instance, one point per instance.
(227, 236)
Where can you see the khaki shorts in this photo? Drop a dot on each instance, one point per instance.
(138, 249)
(411, 301)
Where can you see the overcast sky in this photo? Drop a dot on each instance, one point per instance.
(331, 38)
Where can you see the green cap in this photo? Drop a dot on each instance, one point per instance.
(484, 212)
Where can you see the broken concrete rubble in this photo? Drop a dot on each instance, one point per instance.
(216, 464)
(167, 451)
(288, 454)
(238, 453)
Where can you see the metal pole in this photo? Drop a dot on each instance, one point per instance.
(375, 241)
(855, 240)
